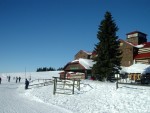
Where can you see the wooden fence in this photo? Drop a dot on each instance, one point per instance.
(41, 82)
(133, 79)
(60, 86)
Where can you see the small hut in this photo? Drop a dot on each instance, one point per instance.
(135, 71)
(79, 66)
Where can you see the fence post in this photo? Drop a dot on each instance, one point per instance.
(117, 82)
(79, 85)
(55, 85)
(73, 86)
(64, 84)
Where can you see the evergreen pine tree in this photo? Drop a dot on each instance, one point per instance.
(108, 54)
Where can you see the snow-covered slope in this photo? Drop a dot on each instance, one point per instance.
(94, 97)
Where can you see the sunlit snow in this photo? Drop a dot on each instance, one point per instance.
(93, 97)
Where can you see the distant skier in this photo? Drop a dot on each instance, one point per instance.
(19, 79)
(30, 77)
(0, 80)
(26, 84)
(8, 78)
(16, 79)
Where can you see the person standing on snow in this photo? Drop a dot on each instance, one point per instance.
(8, 78)
(0, 80)
(19, 79)
(26, 84)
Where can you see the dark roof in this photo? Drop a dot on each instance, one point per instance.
(136, 32)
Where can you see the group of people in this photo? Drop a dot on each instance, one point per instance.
(14, 78)
(17, 79)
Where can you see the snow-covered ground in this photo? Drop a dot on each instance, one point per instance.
(93, 97)
(13, 97)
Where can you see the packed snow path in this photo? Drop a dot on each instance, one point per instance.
(13, 101)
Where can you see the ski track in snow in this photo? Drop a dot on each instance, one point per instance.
(12, 101)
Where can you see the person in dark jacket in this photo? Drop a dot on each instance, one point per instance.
(26, 84)
(0, 80)
(16, 79)
(8, 78)
(19, 79)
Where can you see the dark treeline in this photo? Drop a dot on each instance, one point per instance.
(41, 69)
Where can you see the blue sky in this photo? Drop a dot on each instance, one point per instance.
(48, 33)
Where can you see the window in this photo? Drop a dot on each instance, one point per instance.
(121, 44)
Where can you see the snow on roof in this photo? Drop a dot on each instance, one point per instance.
(87, 52)
(75, 61)
(86, 63)
(139, 46)
(130, 43)
(138, 68)
(143, 45)
(123, 70)
(127, 42)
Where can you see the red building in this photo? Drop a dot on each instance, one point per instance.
(80, 65)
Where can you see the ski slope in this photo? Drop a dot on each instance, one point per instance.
(93, 97)
(13, 100)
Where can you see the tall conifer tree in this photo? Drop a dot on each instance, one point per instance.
(108, 54)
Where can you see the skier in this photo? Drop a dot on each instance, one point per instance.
(8, 78)
(16, 79)
(26, 84)
(19, 79)
(0, 80)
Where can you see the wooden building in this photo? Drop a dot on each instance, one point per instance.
(80, 65)
(83, 54)
(128, 53)
(135, 49)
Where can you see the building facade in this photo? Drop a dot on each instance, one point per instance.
(80, 65)
(135, 49)
(83, 54)
(128, 52)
